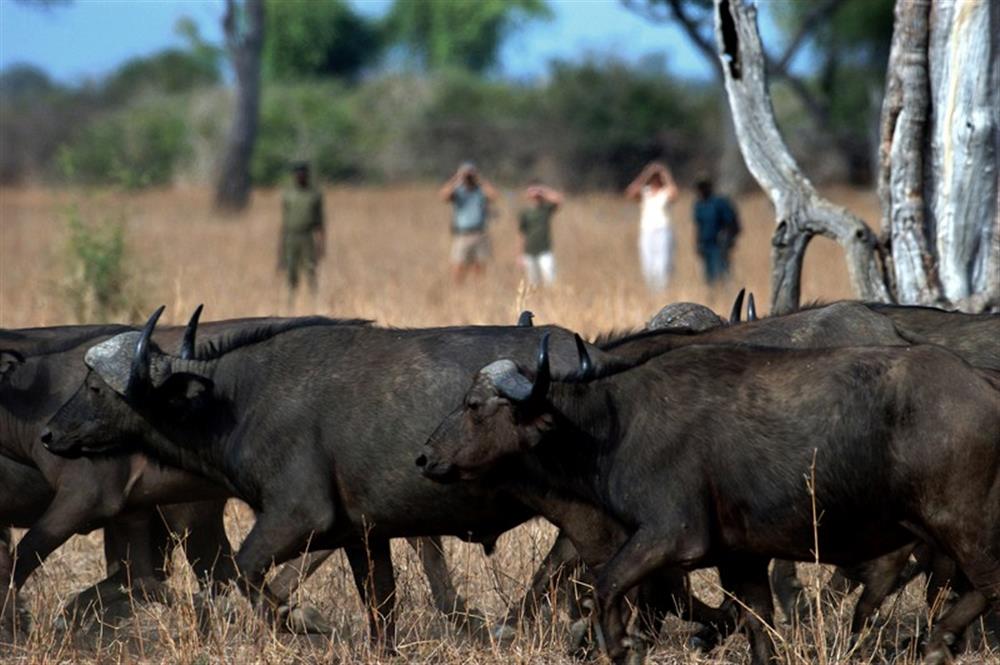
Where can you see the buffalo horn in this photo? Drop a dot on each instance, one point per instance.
(187, 343)
(524, 321)
(139, 373)
(543, 376)
(751, 309)
(735, 312)
(586, 365)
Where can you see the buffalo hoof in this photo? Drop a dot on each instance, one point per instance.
(470, 622)
(704, 640)
(502, 634)
(938, 649)
(578, 635)
(303, 620)
(635, 650)
(15, 620)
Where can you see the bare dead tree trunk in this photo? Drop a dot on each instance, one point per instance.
(801, 212)
(938, 177)
(901, 171)
(244, 41)
(965, 133)
(939, 147)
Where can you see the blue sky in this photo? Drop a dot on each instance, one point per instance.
(88, 38)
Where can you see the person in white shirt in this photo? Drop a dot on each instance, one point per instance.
(655, 190)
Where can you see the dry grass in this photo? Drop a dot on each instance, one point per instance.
(387, 261)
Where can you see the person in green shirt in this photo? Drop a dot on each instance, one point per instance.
(303, 239)
(535, 225)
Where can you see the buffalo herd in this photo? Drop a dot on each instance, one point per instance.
(861, 435)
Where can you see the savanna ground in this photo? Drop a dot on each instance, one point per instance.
(387, 260)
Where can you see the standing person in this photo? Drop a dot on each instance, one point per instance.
(655, 190)
(717, 227)
(470, 195)
(535, 225)
(303, 238)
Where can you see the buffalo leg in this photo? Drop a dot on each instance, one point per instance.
(643, 553)
(206, 546)
(787, 587)
(8, 608)
(288, 579)
(747, 580)
(66, 515)
(134, 564)
(273, 538)
(668, 591)
(553, 573)
(880, 578)
(447, 600)
(376, 583)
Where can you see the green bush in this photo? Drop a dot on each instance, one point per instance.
(98, 285)
(138, 146)
(306, 121)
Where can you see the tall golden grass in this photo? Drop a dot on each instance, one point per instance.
(387, 260)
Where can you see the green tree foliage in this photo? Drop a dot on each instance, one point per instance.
(170, 71)
(467, 35)
(316, 38)
(22, 81)
(615, 118)
(138, 146)
(36, 116)
(311, 122)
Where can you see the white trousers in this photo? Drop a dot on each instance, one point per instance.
(656, 256)
(539, 268)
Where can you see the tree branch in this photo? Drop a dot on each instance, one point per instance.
(818, 15)
(800, 211)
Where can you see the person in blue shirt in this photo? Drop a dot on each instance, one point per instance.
(470, 195)
(717, 226)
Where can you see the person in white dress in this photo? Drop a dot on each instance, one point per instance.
(655, 190)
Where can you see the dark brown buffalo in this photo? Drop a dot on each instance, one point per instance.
(704, 453)
(319, 422)
(54, 497)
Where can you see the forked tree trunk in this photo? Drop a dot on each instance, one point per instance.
(938, 172)
(244, 41)
(801, 211)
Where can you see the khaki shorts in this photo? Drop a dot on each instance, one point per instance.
(467, 248)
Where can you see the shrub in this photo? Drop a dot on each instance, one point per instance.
(139, 146)
(98, 284)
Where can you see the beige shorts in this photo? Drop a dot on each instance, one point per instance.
(469, 248)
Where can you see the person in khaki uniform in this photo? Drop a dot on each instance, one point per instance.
(303, 239)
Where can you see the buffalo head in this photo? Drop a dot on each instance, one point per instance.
(506, 411)
(129, 380)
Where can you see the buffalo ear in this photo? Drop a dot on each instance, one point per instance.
(184, 389)
(537, 425)
(8, 360)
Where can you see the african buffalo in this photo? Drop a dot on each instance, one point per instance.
(975, 338)
(317, 421)
(705, 452)
(55, 497)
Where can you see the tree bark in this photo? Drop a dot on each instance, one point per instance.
(800, 211)
(901, 174)
(964, 45)
(244, 41)
(938, 154)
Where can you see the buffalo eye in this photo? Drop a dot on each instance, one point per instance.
(473, 404)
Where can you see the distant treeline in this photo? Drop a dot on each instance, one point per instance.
(588, 125)
(332, 95)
